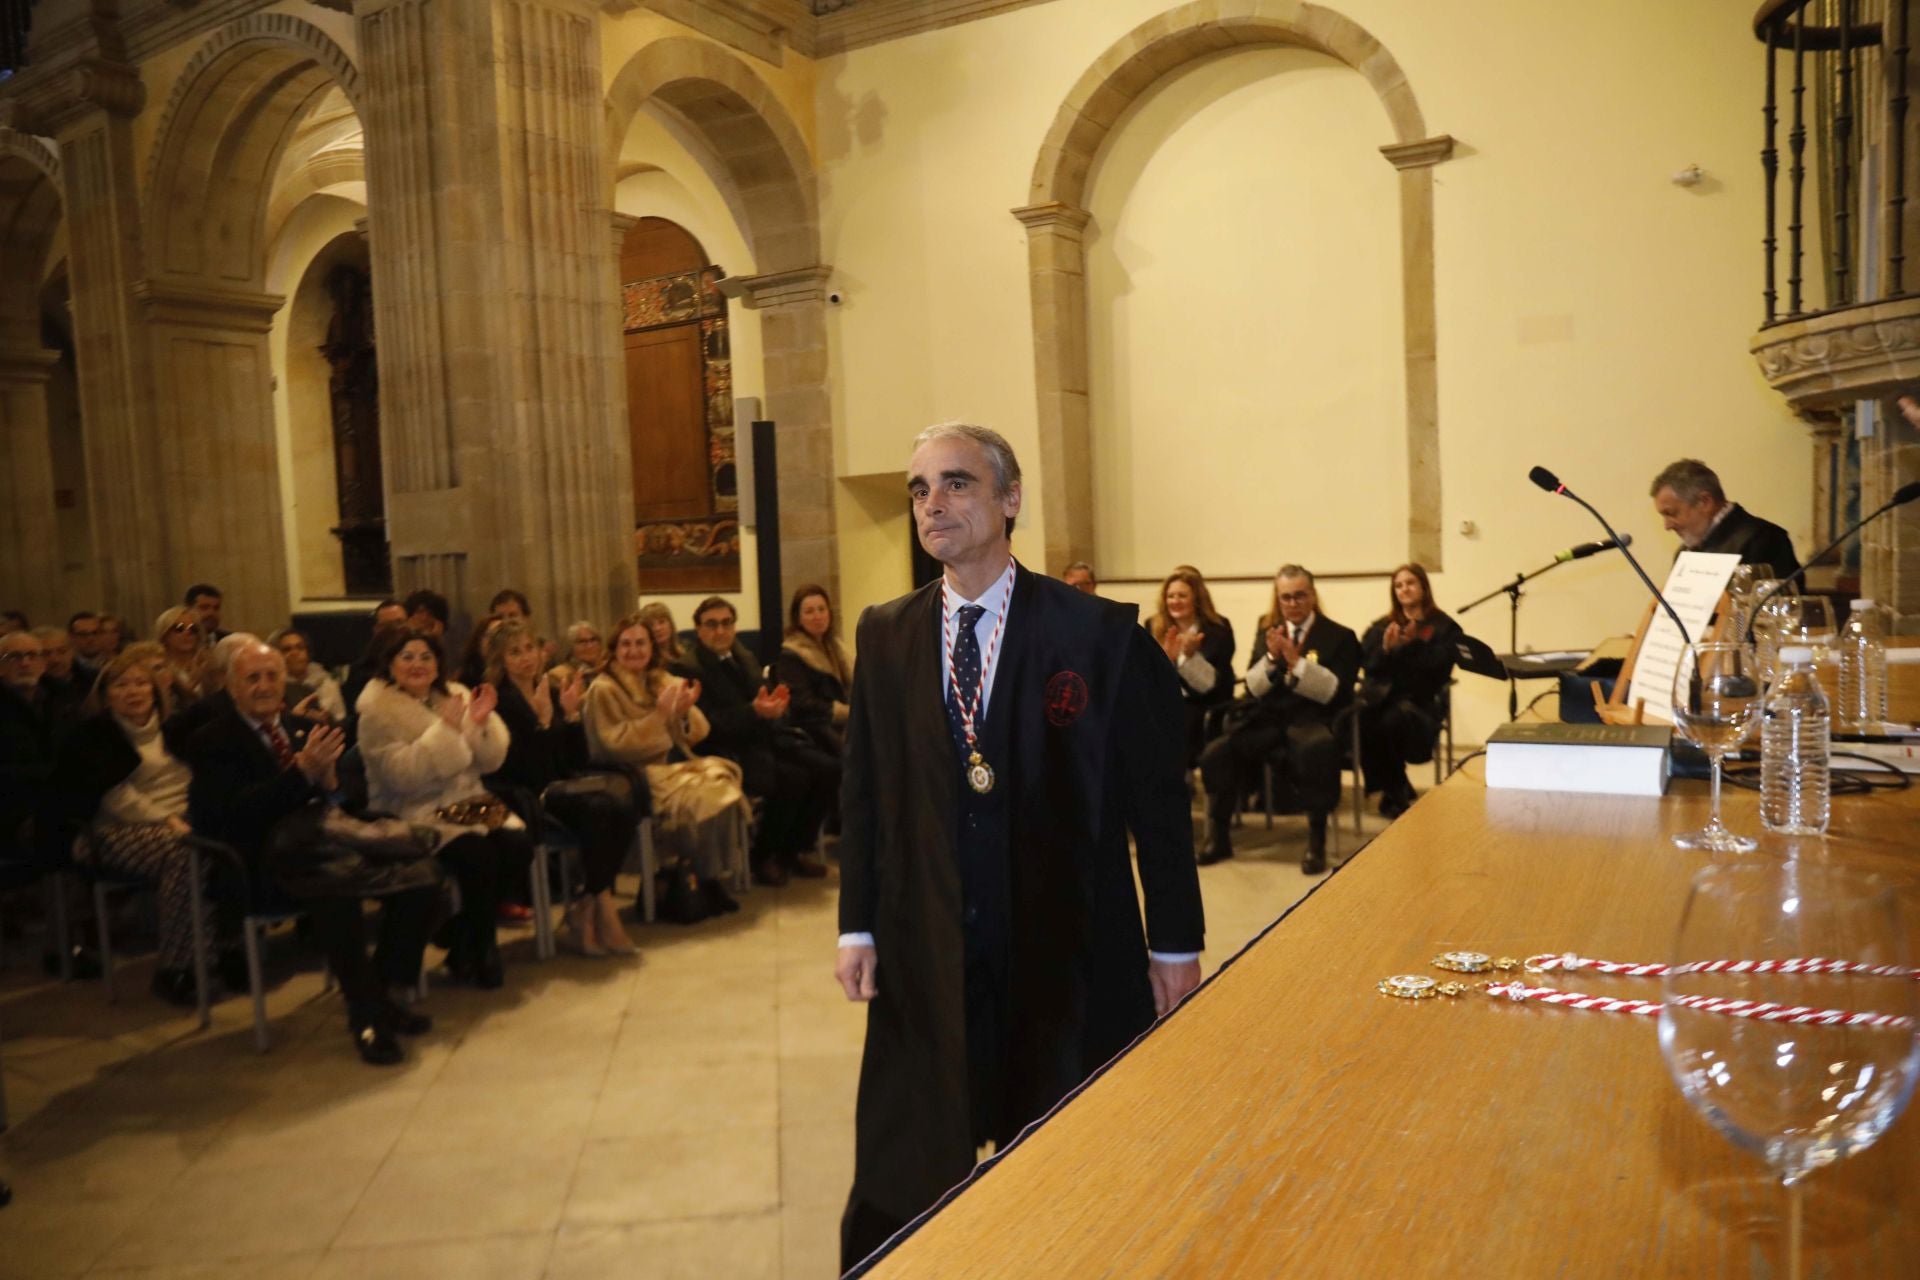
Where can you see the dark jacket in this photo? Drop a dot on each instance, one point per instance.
(93, 759)
(1216, 648)
(727, 689)
(239, 790)
(818, 682)
(1330, 645)
(1754, 540)
(537, 757)
(1084, 730)
(1417, 671)
(30, 729)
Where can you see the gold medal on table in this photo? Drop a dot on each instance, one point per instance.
(1473, 962)
(1416, 986)
(979, 774)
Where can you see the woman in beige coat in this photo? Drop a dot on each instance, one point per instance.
(639, 715)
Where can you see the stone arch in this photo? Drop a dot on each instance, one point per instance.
(737, 129)
(31, 198)
(220, 138)
(1056, 218)
(748, 143)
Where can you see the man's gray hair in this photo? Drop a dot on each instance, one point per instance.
(1079, 564)
(575, 630)
(1006, 467)
(230, 647)
(1297, 571)
(1688, 478)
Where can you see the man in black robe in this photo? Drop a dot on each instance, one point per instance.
(1691, 502)
(1006, 734)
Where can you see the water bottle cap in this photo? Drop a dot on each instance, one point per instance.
(1795, 654)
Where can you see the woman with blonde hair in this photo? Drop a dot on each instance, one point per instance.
(178, 633)
(639, 715)
(1198, 641)
(661, 629)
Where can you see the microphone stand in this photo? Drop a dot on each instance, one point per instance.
(1902, 496)
(1513, 593)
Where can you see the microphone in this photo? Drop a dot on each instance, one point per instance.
(1586, 549)
(1551, 483)
(1901, 497)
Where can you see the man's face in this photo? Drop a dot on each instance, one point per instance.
(1691, 520)
(715, 629)
(207, 609)
(59, 652)
(959, 519)
(22, 662)
(293, 650)
(89, 638)
(510, 611)
(1297, 599)
(423, 620)
(258, 682)
(1080, 580)
(389, 613)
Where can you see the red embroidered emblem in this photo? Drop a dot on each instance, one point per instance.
(1066, 698)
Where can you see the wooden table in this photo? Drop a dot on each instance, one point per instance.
(1289, 1121)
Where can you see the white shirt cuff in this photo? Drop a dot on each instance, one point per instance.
(1260, 677)
(1174, 957)
(1197, 672)
(856, 940)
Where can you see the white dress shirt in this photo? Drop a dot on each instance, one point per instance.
(994, 600)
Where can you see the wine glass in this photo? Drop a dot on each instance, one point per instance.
(1777, 617)
(1801, 1095)
(1742, 589)
(1815, 627)
(1716, 701)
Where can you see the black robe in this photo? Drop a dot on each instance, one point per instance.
(1086, 722)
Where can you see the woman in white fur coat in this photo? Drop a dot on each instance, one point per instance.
(426, 742)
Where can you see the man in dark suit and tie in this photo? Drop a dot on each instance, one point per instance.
(1006, 734)
(254, 767)
(1301, 676)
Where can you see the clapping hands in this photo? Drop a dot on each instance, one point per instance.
(771, 704)
(1281, 648)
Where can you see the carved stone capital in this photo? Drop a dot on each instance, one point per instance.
(1855, 353)
(112, 87)
(201, 306)
(779, 288)
(1421, 154)
(1054, 217)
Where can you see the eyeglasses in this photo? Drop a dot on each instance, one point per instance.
(180, 628)
(714, 624)
(20, 657)
(1296, 597)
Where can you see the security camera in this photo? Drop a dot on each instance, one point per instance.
(835, 297)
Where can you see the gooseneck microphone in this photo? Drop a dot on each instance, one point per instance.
(1586, 549)
(1551, 483)
(1901, 497)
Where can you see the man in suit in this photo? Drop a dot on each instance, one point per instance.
(1006, 734)
(748, 724)
(1691, 503)
(255, 766)
(1301, 677)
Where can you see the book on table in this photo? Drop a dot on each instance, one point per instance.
(1601, 759)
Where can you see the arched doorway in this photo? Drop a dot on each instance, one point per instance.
(30, 210)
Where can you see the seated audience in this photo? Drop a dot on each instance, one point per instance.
(1199, 644)
(157, 665)
(387, 615)
(259, 772)
(115, 774)
(586, 654)
(639, 715)
(1079, 575)
(186, 720)
(1688, 497)
(113, 635)
(1299, 678)
(749, 726)
(63, 681)
(28, 729)
(178, 633)
(308, 679)
(666, 634)
(816, 667)
(204, 599)
(428, 611)
(89, 642)
(547, 751)
(473, 660)
(1409, 660)
(427, 742)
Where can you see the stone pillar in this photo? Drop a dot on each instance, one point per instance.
(30, 570)
(1420, 319)
(793, 340)
(1890, 546)
(504, 448)
(212, 380)
(1057, 270)
(126, 502)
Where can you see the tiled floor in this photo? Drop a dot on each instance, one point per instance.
(687, 1115)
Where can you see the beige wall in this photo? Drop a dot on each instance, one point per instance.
(1591, 315)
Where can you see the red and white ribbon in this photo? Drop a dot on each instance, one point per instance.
(1810, 964)
(1765, 1010)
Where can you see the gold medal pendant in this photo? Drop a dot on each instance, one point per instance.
(979, 774)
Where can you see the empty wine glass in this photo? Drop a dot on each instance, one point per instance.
(1777, 615)
(1834, 1066)
(1742, 588)
(1815, 628)
(1716, 701)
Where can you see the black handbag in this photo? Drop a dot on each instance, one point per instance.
(322, 852)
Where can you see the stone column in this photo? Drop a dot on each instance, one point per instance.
(793, 340)
(1415, 161)
(1057, 267)
(124, 498)
(505, 450)
(1890, 546)
(212, 407)
(30, 571)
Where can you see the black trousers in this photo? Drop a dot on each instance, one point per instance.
(340, 932)
(484, 864)
(1230, 767)
(798, 784)
(603, 822)
(1392, 736)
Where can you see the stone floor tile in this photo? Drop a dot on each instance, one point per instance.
(259, 1211)
(723, 1169)
(502, 1257)
(453, 1195)
(738, 1248)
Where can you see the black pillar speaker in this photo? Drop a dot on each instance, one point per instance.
(766, 520)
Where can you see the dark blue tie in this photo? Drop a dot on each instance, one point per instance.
(966, 675)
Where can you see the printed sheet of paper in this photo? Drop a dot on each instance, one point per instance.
(1695, 586)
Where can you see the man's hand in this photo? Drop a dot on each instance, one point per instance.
(1281, 648)
(1172, 983)
(769, 705)
(322, 751)
(856, 965)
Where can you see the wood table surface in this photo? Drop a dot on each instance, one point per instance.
(1290, 1121)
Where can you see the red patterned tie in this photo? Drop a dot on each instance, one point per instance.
(282, 749)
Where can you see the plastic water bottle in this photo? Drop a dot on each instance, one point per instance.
(1795, 794)
(1863, 670)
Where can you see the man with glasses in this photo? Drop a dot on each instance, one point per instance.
(1300, 677)
(90, 644)
(747, 721)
